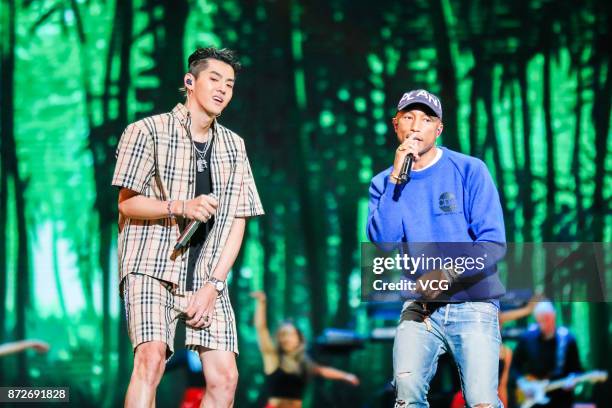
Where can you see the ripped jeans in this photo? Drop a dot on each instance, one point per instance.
(470, 332)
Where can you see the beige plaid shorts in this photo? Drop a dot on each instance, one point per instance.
(152, 310)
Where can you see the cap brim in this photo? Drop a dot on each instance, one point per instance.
(421, 106)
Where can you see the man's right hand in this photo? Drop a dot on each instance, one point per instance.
(408, 146)
(201, 208)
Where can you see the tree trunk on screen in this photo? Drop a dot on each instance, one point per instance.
(9, 156)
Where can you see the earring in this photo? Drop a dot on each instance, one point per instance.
(188, 81)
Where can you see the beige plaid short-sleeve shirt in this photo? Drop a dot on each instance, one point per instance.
(155, 157)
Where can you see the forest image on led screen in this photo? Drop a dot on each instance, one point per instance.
(526, 86)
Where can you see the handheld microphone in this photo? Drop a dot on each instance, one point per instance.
(404, 175)
(182, 241)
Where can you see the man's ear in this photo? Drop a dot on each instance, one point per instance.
(439, 129)
(189, 81)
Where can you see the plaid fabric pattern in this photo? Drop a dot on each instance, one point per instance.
(152, 311)
(156, 158)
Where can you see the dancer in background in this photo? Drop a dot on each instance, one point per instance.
(286, 364)
(505, 352)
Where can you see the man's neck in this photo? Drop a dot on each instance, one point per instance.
(200, 121)
(426, 159)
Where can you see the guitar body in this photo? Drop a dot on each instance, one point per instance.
(532, 391)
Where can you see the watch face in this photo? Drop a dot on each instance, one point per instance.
(219, 286)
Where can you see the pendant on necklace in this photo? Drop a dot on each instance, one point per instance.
(201, 165)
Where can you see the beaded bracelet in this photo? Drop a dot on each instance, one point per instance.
(169, 207)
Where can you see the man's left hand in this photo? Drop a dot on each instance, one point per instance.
(201, 307)
(424, 284)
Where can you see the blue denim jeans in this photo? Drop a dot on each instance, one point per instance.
(470, 332)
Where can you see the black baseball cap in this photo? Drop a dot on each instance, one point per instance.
(421, 96)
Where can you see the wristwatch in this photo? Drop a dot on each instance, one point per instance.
(219, 285)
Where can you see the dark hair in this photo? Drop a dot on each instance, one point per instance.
(198, 61)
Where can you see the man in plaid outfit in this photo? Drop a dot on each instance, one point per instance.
(171, 169)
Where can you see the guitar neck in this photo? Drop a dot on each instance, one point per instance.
(555, 385)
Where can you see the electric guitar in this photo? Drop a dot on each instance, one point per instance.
(531, 391)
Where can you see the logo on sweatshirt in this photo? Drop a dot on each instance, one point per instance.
(447, 202)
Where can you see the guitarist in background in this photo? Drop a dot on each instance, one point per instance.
(548, 352)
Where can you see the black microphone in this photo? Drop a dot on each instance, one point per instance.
(187, 234)
(404, 175)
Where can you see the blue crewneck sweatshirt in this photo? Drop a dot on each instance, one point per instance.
(453, 200)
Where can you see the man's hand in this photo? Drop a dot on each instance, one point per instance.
(408, 146)
(437, 278)
(201, 208)
(202, 306)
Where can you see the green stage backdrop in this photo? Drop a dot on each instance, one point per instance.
(526, 86)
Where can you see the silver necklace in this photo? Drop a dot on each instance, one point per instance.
(201, 163)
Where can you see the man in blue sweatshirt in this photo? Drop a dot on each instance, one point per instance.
(449, 198)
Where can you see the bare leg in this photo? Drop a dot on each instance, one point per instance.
(221, 374)
(149, 365)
